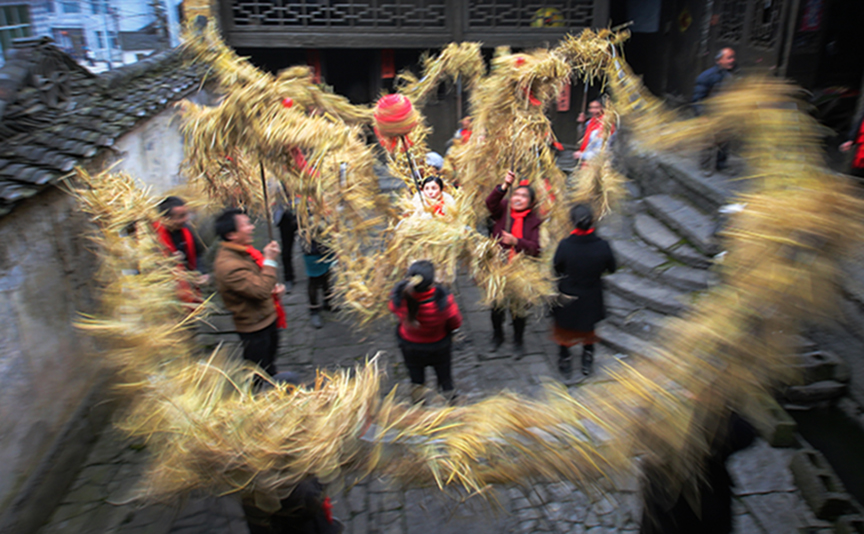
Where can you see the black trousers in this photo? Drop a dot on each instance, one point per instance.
(315, 283)
(416, 360)
(287, 230)
(498, 317)
(260, 347)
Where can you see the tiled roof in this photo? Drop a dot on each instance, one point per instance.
(54, 114)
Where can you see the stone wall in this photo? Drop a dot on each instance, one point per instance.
(153, 151)
(46, 366)
(53, 402)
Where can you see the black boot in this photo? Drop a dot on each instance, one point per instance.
(518, 336)
(587, 359)
(565, 362)
(497, 329)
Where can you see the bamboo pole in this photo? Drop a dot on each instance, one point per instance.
(267, 213)
(415, 175)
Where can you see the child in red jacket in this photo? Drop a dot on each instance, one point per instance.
(428, 315)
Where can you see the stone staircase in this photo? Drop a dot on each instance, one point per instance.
(665, 244)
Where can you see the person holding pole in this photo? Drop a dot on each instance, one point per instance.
(592, 140)
(517, 229)
(246, 280)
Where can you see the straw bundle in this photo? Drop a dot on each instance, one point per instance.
(142, 318)
(231, 71)
(511, 130)
(457, 60)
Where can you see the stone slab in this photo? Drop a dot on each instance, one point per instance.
(687, 278)
(772, 511)
(773, 423)
(821, 365)
(816, 392)
(690, 256)
(819, 486)
(709, 191)
(685, 220)
(621, 341)
(644, 323)
(619, 306)
(655, 233)
(761, 468)
(639, 257)
(653, 295)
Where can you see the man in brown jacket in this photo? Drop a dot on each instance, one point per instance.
(246, 279)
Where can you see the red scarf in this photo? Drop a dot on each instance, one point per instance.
(185, 291)
(281, 321)
(596, 123)
(577, 231)
(517, 227)
(165, 239)
(858, 162)
(438, 207)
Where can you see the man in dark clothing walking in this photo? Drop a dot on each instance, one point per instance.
(707, 84)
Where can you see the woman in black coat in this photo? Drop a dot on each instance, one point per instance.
(580, 261)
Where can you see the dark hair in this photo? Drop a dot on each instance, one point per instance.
(531, 194)
(433, 178)
(581, 216)
(169, 204)
(599, 101)
(226, 222)
(426, 270)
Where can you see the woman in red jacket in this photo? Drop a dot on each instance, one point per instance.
(428, 315)
(517, 229)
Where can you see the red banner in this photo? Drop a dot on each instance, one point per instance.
(313, 59)
(388, 66)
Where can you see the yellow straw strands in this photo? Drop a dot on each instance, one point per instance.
(142, 318)
(231, 71)
(457, 61)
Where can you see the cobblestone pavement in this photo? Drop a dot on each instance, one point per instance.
(101, 498)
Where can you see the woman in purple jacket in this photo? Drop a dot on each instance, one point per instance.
(517, 229)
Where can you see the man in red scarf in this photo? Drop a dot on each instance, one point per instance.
(855, 140)
(246, 279)
(592, 140)
(179, 240)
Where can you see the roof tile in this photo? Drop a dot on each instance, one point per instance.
(55, 114)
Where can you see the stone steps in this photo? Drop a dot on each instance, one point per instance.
(623, 342)
(688, 278)
(685, 220)
(659, 236)
(642, 259)
(643, 323)
(646, 292)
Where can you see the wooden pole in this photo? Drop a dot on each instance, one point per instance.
(267, 213)
(458, 101)
(415, 175)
